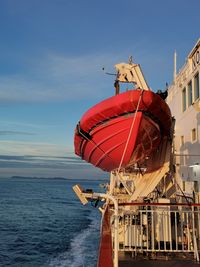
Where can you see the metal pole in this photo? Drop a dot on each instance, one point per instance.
(116, 242)
(194, 237)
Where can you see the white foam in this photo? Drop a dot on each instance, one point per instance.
(81, 248)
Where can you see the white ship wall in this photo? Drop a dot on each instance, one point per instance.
(187, 115)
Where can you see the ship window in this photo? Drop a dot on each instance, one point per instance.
(184, 99)
(183, 185)
(190, 93)
(182, 140)
(196, 86)
(194, 134)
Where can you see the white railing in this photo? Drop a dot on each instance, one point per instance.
(161, 228)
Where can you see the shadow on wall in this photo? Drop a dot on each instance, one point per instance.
(190, 156)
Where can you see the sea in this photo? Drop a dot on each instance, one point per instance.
(43, 223)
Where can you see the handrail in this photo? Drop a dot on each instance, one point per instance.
(160, 228)
(157, 204)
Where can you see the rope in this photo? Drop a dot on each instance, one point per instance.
(127, 141)
(130, 132)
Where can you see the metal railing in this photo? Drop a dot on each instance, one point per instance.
(160, 227)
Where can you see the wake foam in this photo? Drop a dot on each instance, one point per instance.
(83, 247)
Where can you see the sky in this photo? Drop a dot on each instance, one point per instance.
(51, 57)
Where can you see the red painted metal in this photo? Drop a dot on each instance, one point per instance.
(105, 250)
(101, 136)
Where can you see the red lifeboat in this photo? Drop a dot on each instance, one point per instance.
(122, 130)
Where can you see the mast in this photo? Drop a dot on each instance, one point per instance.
(175, 67)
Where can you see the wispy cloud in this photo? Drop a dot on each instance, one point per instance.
(21, 148)
(15, 133)
(56, 78)
(42, 161)
(43, 166)
(33, 127)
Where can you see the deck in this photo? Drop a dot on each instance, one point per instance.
(157, 263)
(178, 260)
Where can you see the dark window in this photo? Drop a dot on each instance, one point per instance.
(196, 86)
(182, 140)
(184, 99)
(194, 135)
(190, 93)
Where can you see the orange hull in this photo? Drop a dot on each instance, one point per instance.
(121, 140)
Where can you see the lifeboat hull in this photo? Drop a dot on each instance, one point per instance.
(111, 136)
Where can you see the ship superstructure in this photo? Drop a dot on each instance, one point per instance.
(184, 102)
(147, 213)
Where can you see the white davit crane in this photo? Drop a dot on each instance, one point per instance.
(131, 73)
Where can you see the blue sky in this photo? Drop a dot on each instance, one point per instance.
(51, 59)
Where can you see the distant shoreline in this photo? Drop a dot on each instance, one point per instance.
(55, 178)
(35, 177)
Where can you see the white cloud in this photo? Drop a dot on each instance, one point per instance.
(21, 148)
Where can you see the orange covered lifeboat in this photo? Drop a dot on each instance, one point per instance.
(122, 130)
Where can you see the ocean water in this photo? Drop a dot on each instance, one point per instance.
(42, 223)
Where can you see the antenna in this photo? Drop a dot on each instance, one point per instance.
(108, 73)
(130, 60)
